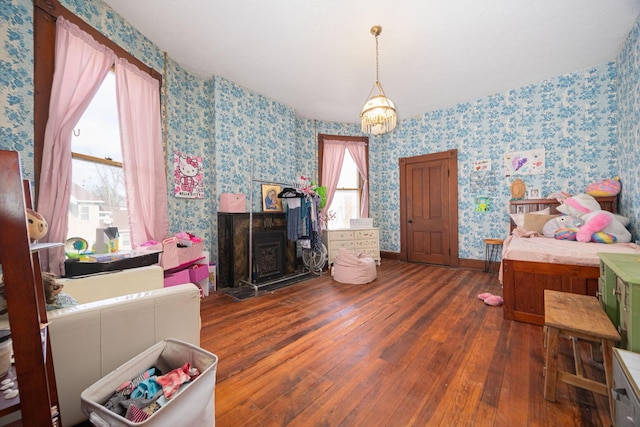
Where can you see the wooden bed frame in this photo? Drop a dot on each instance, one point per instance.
(524, 282)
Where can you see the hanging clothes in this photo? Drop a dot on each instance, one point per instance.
(294, 210)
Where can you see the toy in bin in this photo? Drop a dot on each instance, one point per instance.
(182, 390)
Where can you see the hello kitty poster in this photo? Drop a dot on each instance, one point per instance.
(188, 182)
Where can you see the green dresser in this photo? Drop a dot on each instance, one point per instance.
(619, 294)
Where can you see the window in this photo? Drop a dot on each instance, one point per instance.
(101, 209)
(98, 198)
(84, 214)
(350, 194)
(346, 200)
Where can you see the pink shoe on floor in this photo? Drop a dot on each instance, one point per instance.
(484, 296)
(494, 300)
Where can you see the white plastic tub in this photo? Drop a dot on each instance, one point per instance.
(192, 405)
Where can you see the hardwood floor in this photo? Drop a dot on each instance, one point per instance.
(414, 348)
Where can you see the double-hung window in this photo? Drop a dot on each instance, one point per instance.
(98, 196)
(344, 171)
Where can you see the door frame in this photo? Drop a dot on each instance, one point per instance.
(452, 157)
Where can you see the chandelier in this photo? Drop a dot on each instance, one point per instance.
(378, 115)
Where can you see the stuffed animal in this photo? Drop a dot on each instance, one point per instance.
(565, 223)
(596, 220)
(36, 225)
(53, 294)
(51, 288)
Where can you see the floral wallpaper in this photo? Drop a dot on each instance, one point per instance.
(628, 90)
(16, 81)
(573, 117)
(584, 120)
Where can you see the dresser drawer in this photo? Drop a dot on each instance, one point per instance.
(340, 235)
(366, 234)
(372, 252)
(361, 244)
(347, 244)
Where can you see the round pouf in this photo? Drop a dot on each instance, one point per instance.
(353, 269)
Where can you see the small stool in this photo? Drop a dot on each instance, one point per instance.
(578, 317)
(492, 248)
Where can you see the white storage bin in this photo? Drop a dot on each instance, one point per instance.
(193, 404)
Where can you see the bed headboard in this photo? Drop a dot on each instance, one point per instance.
(608, 203)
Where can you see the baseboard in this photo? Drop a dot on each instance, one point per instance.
(476, 264)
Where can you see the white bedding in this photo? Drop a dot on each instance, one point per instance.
(544, 249)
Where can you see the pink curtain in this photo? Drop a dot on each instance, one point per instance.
(81, 65)
(138, 97)
(332, 159)
(358, 151)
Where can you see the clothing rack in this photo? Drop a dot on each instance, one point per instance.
(249, 280)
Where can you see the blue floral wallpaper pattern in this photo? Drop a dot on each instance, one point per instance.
(628, 90)
(584, 120)
(573, 117)
(16, 81)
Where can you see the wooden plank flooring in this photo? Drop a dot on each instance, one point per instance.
(414, 348)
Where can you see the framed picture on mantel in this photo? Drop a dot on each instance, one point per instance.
(270, 200)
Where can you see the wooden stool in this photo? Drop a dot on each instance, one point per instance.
(492, 249)
(578, 317)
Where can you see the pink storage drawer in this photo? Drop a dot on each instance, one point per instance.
(198, 272)
(177, 278)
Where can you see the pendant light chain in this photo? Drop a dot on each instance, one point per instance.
(377, 62)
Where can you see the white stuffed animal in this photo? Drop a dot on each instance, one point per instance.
(596, 221)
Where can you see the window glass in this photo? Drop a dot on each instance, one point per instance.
(349, 176)
(98, 197)
(346, 201)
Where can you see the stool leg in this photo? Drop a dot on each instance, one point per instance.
(551, 364)
(486, 258)
(608, 371)
(493, 257)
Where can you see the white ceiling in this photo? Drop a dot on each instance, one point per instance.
(318, 56)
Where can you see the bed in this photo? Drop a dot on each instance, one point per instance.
(531, 265)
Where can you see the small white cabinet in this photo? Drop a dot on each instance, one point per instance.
(626, 377)
(355, 240)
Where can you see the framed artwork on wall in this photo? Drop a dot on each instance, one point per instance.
(534, 193)
(270, 200)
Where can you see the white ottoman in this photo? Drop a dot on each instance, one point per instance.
(353, 269)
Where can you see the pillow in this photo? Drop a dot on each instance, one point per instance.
(518, 219)
(533, 222)
(606, 187)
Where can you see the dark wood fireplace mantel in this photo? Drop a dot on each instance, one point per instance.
(233, 244)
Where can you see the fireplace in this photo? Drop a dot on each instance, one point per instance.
(233, 247)
(268, 255)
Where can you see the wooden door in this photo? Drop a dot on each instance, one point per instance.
(429, 208)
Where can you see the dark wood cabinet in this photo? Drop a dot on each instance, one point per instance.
(233, 244)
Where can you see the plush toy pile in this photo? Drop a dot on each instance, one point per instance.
(585, 221)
